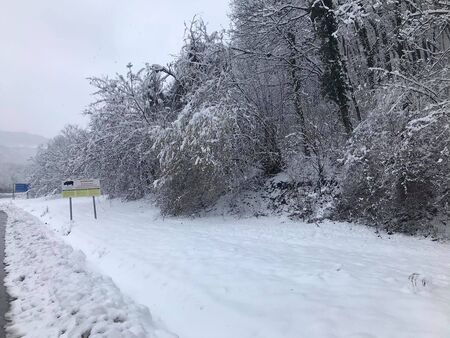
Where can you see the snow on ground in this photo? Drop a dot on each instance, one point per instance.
(54, 293)
(261, 277)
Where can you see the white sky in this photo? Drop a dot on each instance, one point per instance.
(49, 47)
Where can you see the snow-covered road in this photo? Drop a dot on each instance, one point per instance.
(54, 293)
(267, 277)
(4, 301)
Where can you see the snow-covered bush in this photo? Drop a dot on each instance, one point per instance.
(211, 147)
(396, 171)
(206, 152)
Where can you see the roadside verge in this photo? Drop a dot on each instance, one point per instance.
(54, 294)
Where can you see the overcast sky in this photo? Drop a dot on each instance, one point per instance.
(49, 47)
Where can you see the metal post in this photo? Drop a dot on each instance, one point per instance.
(95, 209)
(14, 190)
(70, 203)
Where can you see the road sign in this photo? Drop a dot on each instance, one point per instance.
(21, 187)
(81, 188)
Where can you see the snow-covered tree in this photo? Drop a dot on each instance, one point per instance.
(122, 120)
(64, 157)
(351, 93)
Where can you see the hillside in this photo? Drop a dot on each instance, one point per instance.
(20, 140)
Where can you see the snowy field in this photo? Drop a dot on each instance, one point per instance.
(227, 278)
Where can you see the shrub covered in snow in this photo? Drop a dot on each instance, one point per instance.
(205, 153)
(396, 171)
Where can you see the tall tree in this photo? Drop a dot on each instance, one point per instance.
(334, 79)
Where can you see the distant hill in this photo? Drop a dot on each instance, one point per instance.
(20, 140)
(16, 149)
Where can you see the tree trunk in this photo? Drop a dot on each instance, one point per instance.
(296, 87)
(334, 78)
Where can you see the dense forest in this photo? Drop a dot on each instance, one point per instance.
(347, 100)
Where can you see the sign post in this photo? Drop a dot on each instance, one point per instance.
(95, 209)
(20, 187)
(81, 188)
(70, 204)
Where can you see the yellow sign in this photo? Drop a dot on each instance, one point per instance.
(81, 188)
(81, 193)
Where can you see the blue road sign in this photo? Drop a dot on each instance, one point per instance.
(21, 187)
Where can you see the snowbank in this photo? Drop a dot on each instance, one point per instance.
(56, 295)
(261, 277)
